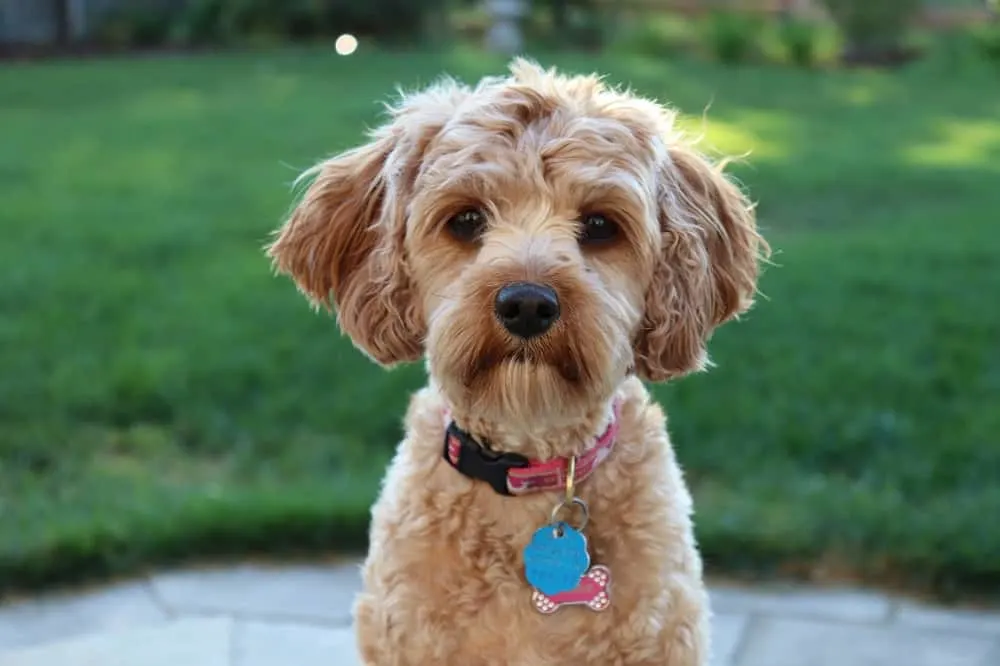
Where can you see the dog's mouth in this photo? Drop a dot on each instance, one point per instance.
(526, 355)
(490, 359)
(522, 355)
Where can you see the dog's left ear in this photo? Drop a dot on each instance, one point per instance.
(345, 239)
(707, 270)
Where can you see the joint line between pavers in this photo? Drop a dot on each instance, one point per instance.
(266, 618)
(300, 620)
(741, 642)
(158, 600)
(818, 617)
(892, 613)
(235, 633)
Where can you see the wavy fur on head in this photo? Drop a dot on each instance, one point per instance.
(534, 152)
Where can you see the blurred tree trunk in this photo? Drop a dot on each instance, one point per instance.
(560, 14)
(60, 9)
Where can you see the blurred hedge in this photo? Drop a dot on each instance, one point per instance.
(224, 22)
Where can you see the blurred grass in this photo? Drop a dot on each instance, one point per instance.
(163, 396)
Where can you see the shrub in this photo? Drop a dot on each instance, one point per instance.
(559, 10)
(872, 28)
(987, 40)
(657, 37)
(732, 36)
(133, 27)
(204, 22)
(389, 19)
(582, 24)
(799, 40)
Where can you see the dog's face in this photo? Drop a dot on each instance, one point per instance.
(536, 237)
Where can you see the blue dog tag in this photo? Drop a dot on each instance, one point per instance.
(556, 559)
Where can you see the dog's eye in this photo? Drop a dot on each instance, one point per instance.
(597, 229)
(468, 225)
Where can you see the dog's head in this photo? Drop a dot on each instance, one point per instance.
(536, 236)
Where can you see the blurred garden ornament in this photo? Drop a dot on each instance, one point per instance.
(504, 34)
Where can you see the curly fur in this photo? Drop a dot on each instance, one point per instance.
(443, 580)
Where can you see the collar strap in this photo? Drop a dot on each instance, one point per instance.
(512, 474)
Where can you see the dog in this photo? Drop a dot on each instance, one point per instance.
(546, 243)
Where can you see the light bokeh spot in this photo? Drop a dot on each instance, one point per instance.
(346, 44)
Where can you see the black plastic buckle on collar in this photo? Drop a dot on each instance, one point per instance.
(477, 462)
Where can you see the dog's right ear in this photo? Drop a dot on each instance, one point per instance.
(345, 238)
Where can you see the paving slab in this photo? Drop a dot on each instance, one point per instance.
(993, 658)
(727, 635)
(312, 593)
(791, 642)
(184, 642)
(258, 643)
(75, 612)
(838, 604)
(955, 620)
(299, 615)
(280, 644)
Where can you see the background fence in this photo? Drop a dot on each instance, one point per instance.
(54, 21)
(46, 22)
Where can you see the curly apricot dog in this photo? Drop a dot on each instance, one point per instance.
(544, 242)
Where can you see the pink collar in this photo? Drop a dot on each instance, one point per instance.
(514, 474)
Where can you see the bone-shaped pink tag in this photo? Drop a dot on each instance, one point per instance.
(592, 592)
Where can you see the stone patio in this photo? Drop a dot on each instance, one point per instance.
(254, 615)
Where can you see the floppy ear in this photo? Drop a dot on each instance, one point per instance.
(332, 245)
(346, 237)
(707, 269)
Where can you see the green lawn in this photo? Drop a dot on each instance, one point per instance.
(163, 396)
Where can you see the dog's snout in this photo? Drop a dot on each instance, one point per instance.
(527, 309)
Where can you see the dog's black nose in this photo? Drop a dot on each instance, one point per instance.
(527, 309)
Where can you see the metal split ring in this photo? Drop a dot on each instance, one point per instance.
(576, 501)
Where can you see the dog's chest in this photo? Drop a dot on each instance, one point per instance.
(476, 609)
(474, 597)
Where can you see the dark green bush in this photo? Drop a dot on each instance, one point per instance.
(872, 28)
(559, 11)
(134, 28)
(203, 22)
(221, 22)
(987, 40)
(577, 24)
(800, 41)
(733, 36)
(391, 19)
